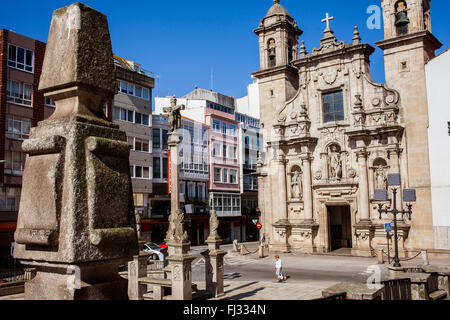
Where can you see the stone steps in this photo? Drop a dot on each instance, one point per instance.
(438, 295)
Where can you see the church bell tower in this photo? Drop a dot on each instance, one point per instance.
(278, 82)
(278, 36)
(408, 46)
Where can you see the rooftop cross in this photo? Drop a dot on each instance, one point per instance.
(327, 20)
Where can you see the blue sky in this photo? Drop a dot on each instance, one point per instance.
(181, 41)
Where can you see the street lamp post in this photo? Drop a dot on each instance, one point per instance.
(409, 195)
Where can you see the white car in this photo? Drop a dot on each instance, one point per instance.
(157, 253)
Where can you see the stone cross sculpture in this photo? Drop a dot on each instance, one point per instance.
(174, 112)
(177, 239)
(76, 218)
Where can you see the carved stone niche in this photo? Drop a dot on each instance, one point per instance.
(295, 179)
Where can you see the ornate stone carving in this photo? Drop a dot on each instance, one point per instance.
(174, 112)
(352, 173)
(297, 185)
(213, 226)
(176, 231)
(318, 175)
(334, 163)
(330, 76)
(380, 178)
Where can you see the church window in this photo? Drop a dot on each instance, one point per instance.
(333, 107)
(272, 53)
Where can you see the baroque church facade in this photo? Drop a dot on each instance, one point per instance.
(333, 135)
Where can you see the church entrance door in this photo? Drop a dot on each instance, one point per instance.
(340, 227)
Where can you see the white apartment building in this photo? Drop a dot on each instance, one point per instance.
(438, 87)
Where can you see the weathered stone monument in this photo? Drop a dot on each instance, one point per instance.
(177, 240)
(76, 222)
(137, 268)
(214, 269)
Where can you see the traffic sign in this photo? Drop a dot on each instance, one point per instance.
(259, 225)
(388, 227)
(255, 221)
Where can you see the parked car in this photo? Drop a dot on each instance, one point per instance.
(157, 253)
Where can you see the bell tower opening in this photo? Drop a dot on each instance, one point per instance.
(272, 52)
(401, 18)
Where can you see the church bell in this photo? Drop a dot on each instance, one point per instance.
(402, 19)
(272, 53)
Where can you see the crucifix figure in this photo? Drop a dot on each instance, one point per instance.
(174, 112)
(327, 20)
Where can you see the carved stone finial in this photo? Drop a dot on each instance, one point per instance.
(276, 1)
(303, 52)
(356, 37)
(78, 58)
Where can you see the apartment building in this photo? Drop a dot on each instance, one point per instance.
(22, 106)
(250, 148)
(157, 223)
(131, 109)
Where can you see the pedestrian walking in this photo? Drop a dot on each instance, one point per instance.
(280, 277)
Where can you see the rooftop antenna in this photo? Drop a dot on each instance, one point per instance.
(212, 78)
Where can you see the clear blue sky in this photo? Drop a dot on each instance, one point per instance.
(181, 40)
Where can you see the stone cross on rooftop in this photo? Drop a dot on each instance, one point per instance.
(327, 20)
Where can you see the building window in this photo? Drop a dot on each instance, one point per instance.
(165, 168)
(14, 162)
(20, 58)
(131, 116)
(217, 175)
(141, 145)
(165, 139)
(20, 93)
(138, 199)
(232, 152)
(133, 90)
(225, 175)
(156, 139)
(233, 176)
(232, 130)
(156, 168)
(141, 172)
(217, 149)
(333, 107)
(224, 128)
(49, 102)
(226, 203)
(18, 128)
(216, 125)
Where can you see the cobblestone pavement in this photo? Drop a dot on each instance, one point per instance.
(251, 278)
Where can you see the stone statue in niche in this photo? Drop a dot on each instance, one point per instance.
(334, 163)
(297, 185)
(380, 178)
